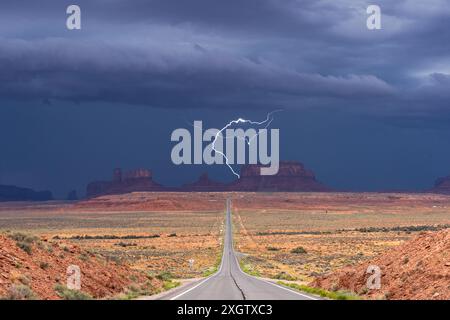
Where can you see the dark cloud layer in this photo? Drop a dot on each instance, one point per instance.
(206, 54)
(75, 104)
(188, 77)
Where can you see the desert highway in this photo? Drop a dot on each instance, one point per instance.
(231, 283)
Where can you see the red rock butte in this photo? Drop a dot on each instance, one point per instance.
(135, 180)
(291, 176)
(442, 185)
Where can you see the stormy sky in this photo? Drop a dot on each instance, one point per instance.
(364, 109)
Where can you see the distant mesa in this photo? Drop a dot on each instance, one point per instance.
(131, 181)
(292, 176)
(13, 193)
(442, 185)
(204, 183)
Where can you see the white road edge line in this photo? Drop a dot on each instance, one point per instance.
(274, 284)
(285, 288)
(199, 284)
(190, 289)
(203, 281)
(247, 275)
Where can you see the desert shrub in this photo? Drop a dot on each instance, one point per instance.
(291, 233)
(125, 244)
(209, 271)
(133, 278)
(165, 276)
(407, 229)
(45, 246)
(68, 294)
(20, 292)
(249, 269)
(298, 250)
(363, 290)
(22, 237)
(273, 249)
(335, 295)
(43, 265)
(167, 285)
(25, 247)
(172, 235)
(109, 237)
(133, 291)
(23, 241)
(84, 256)
(40, 245)
(284, 276)
(114, 258)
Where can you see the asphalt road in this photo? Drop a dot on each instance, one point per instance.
(231, 283)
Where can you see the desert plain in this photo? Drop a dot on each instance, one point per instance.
(293, 237)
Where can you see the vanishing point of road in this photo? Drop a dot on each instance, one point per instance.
(231, 283)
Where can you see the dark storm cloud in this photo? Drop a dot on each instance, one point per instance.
(369, 109)
(205, 53)
(57, 69)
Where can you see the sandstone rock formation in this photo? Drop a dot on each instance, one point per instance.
(101, 278)
(204, 184)
(442, 185)
(292, 176)
(13, 193)
(417, 269)
(135, 180)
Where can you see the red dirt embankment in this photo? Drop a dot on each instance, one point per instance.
(417, 269)
(45, 265)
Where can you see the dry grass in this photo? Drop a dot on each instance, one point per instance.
(151, 241)
(269, 228)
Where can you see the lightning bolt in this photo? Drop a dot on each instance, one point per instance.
(267, 122)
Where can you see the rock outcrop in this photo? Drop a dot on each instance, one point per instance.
(291, 176)
(442, 185)
(417, 269)
(44, 267)
(204, 184)
(135, 180)
(13, 193)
